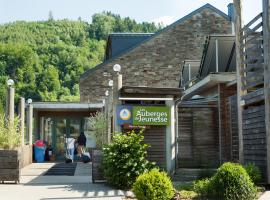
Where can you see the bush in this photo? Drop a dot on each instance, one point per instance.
(125, 159)
(203, 187)
(153, 185)
(231, 182)
(254, 173)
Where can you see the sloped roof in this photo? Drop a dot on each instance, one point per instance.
(183, 19)
(120, 42)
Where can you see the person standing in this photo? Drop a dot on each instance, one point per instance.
(81, 143)
(70, 147)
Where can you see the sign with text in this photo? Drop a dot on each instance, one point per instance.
(151, 115)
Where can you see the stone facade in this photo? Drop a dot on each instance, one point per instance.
(157, 62)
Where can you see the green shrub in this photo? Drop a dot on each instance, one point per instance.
(153, 185)
(254, 173)
(125, 159)
(203, 187)
(10, 136)
(231, 182)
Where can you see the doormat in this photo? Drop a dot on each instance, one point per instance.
(62, 169)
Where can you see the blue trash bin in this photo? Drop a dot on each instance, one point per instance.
(39, 153)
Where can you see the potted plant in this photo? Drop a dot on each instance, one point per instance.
(97, 124)
(10, 151)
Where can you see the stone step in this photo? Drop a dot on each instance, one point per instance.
(188, 174)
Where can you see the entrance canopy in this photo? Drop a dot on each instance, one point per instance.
(65, 106)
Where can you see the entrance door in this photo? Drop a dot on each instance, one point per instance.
(60, 135)
(65, 128)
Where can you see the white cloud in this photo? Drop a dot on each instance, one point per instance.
(165, 20)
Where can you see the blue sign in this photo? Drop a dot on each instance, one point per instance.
(124, 115)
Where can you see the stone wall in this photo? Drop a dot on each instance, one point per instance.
(158, 61)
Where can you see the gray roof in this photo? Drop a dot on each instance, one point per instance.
(183, 19)
(64, 106)
(120, 42)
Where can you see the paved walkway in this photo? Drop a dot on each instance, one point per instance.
(265, 196)
(34, 186)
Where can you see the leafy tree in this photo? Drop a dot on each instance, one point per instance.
(47, 58)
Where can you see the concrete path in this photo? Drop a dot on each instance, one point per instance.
(265, 196)
(34, 186)
(33, 174)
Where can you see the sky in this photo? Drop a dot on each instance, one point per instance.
(166, 11)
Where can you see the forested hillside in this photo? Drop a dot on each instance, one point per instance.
(46, 58)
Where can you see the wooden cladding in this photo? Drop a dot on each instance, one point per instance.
(156, 138)
(198, 137)
(254, 137)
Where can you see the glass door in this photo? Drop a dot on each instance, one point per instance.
(74, 128)
(60, 135)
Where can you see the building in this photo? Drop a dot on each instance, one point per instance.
(155, 60)
(152, 66)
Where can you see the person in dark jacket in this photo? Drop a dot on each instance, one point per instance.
(81, 143)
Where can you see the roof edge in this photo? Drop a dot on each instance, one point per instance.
(186, 17)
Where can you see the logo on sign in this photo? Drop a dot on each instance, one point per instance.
(125, 114)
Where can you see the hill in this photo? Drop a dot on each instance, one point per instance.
(46, 58)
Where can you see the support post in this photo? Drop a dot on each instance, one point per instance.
(239, 61)
(219, 124)
(170, 140)
(30, 123)
(217, 55)
(110, 110)
(10, 105)
(116, 88)
(266, 50)
(22, 118)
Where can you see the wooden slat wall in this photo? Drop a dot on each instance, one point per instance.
(198, 137)
(254, 137)
(156, 137)
(234, 128)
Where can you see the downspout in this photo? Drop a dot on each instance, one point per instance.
(177, 103)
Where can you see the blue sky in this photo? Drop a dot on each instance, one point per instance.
(166, 11)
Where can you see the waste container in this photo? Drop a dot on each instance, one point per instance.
(39, 149)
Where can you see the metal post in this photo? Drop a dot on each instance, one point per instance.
(116, 88)
(189, 72)
(30, 123)
(10, 105)
(216, 55)
(22, 118)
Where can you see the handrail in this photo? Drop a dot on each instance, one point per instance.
(252, 21)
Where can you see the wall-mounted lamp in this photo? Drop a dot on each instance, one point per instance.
(107, 93)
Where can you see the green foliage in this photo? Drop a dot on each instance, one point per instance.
(231, 182)
(10, 136)
(203, 188)
(153, 185)
(107, 22)
(254, 173)
(47, 58)
(98, 124)
(125, 159)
